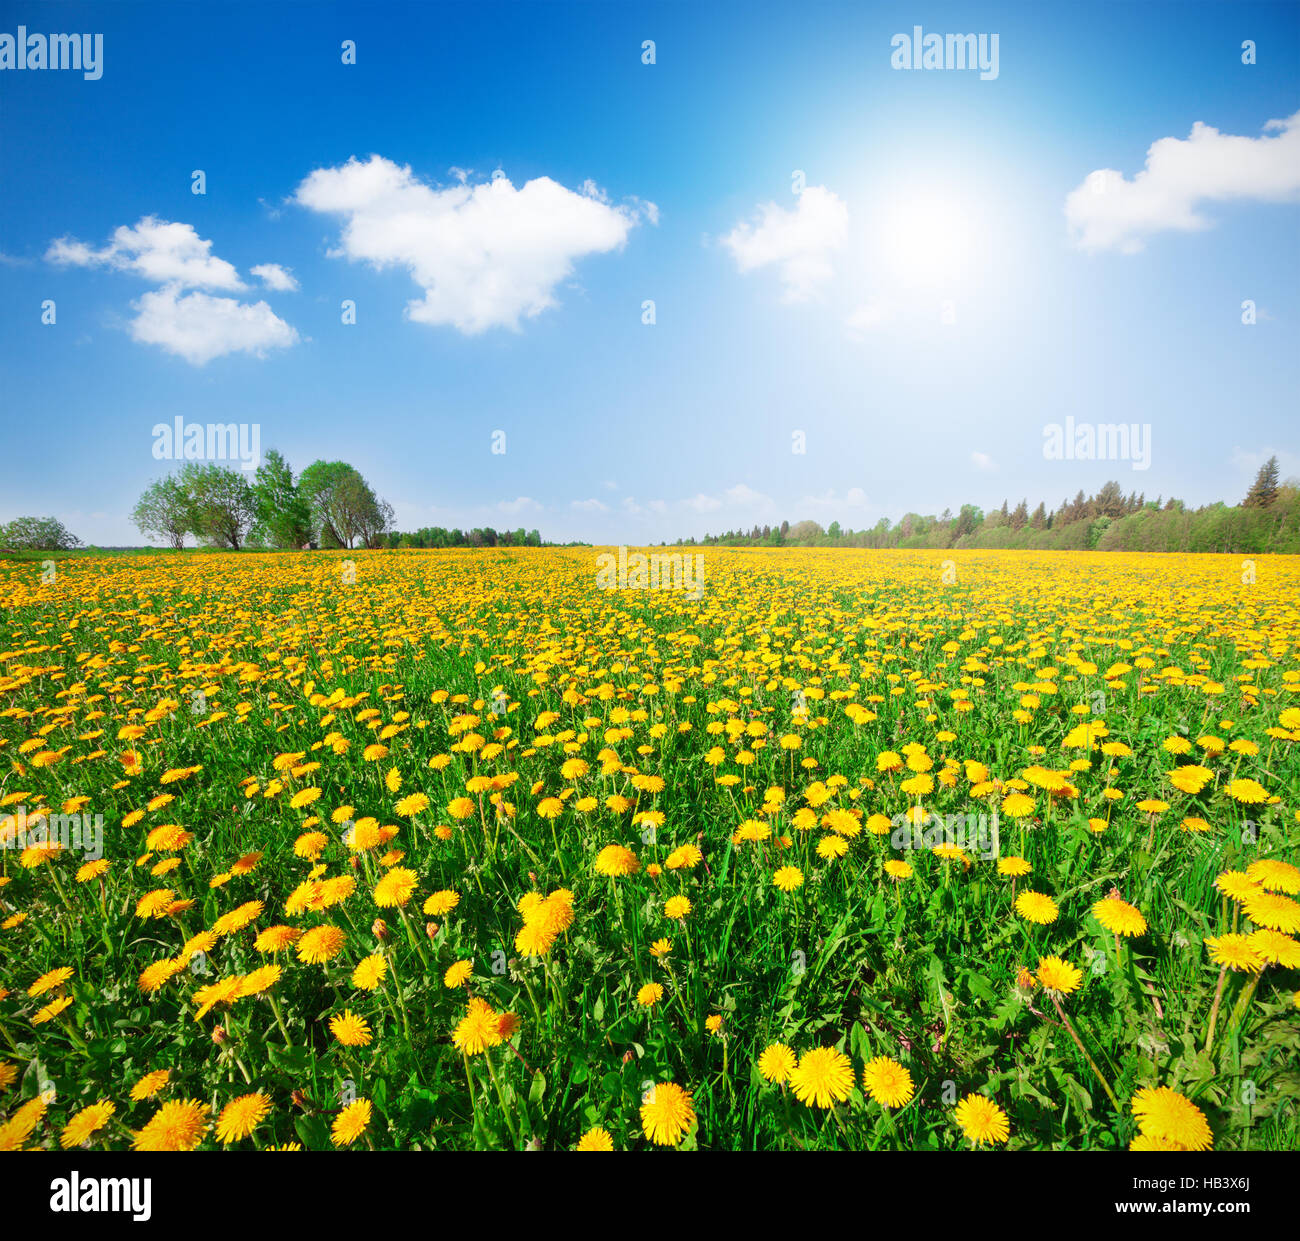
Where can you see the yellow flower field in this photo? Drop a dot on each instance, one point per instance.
(458, 849)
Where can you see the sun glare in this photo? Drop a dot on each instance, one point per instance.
(927, 242)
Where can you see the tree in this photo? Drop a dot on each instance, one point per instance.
(342, 505)
(319, 485)
(283, 516)
(222, 504)
(1109, 501)
(1263, 491)
(968, 520)
(163, 510)
(42, 534)
(365, 517)
(805, 532)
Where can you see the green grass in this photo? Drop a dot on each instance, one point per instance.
(923, 972)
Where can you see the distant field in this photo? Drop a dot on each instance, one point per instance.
(458, 849)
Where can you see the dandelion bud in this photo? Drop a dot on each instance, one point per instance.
(299, 1099)
(431, 930)
(219, 1035)
(379, 929)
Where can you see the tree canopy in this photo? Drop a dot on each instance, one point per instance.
(329, 504)
(41, 534)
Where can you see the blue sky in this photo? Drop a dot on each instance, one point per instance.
(920, 311)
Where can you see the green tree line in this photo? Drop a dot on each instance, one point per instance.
(1266, 520)
(328, 505)
(480, 536)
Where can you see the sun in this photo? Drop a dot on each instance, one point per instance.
(927, 242)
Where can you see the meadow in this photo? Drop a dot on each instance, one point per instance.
(456, 850)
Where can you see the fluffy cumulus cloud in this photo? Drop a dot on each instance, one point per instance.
(160, 251)
(199, 327)
(193, 325)
(277, 278)
(485, 255)
(982, 461)
(1182, 175)
(799, 243)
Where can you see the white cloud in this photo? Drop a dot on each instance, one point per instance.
(740, 496)
(982, 461)
(158, 250)
(657, 506)
(199, 327)
(280, 279)
(866, 318)
(1288, 463)
(1109, 212)
(195, 325)
(799, 242)
(415, 515)
(485, 255)
(830, 501)
(519, 505)
(590, 506)
(746, 497)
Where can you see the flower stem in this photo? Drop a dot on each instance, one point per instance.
(1092, 1064)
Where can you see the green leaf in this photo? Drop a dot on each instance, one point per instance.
(296, 1061)
(979, 986)
(314, 1132)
